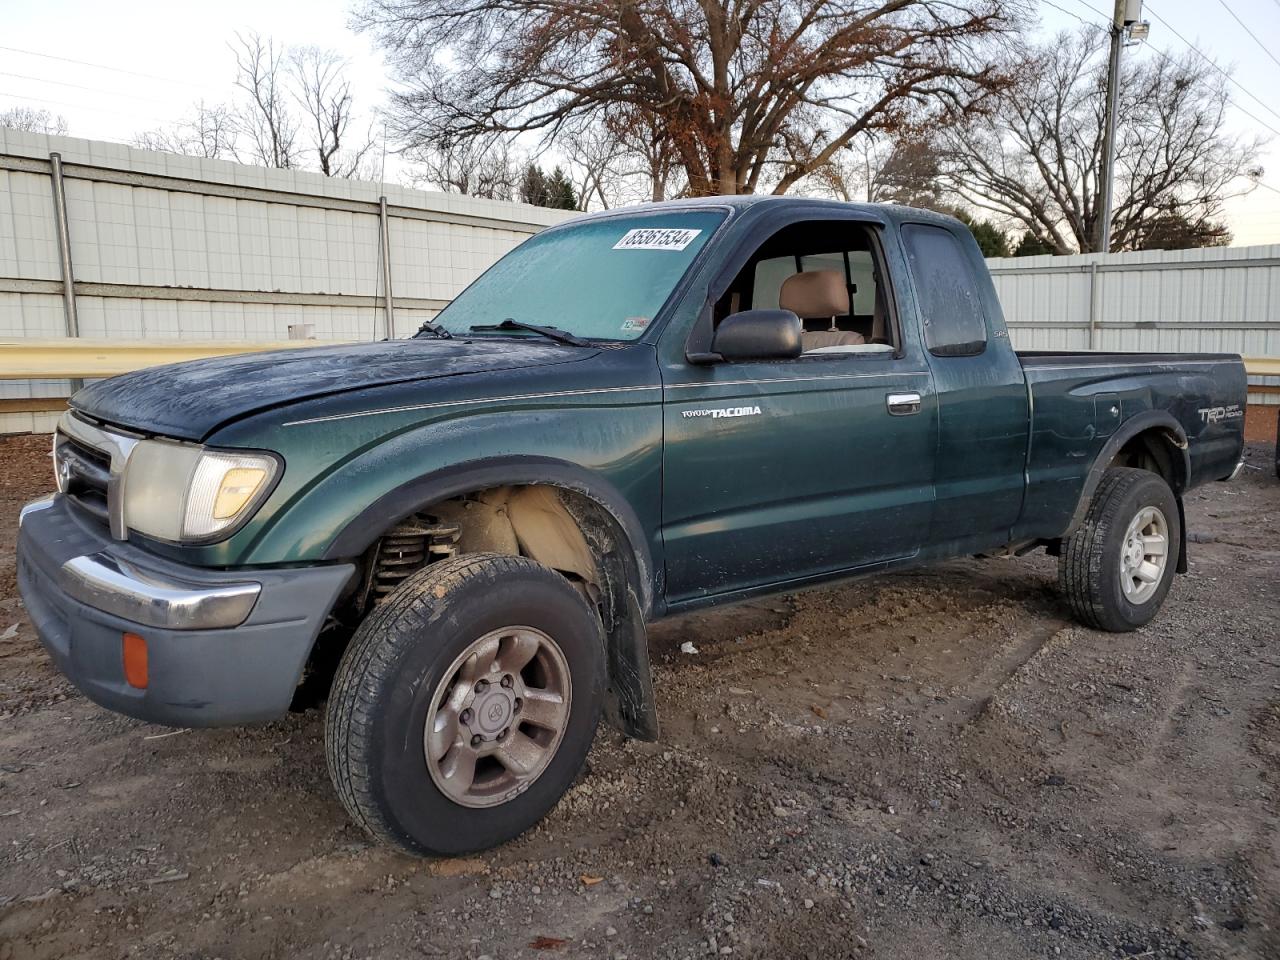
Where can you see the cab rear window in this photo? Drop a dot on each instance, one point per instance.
(954, 323)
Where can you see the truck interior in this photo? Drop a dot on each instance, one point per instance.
(828, 273)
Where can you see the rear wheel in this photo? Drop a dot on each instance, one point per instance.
(1116, 569)
(466, 704)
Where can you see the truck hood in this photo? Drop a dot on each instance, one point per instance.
(188, 401)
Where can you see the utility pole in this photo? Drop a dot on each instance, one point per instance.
(1126, 22)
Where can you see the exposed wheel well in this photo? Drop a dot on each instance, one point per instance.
(1157, 450)
(560, 528)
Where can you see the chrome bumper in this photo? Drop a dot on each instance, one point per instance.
(114, 586)
(1237, 471)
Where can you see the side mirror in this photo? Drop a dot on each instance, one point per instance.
(758, 335)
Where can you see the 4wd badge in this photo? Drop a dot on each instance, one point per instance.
(1218, 414)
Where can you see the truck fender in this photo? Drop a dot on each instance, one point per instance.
(604, 516)
(1157, 421)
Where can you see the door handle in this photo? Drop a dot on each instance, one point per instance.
(902, 404)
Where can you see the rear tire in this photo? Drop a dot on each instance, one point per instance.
(465, 704)
(1116, 569)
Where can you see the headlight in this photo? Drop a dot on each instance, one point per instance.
(179, 491)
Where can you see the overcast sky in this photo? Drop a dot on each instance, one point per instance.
(164, 56)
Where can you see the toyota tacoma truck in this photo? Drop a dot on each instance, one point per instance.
(462, 536)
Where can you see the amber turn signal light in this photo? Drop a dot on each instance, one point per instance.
(135, 660)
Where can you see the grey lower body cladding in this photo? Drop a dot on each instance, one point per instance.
(197, 677)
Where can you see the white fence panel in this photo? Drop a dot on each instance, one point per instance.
(164, 246)
(1218, 300)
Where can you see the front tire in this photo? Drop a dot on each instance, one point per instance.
(466, 704)
(1116, 569)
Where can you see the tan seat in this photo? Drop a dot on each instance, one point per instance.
(819, 295)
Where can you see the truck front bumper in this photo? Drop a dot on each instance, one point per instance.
(223, 647)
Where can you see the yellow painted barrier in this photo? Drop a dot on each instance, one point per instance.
(86, 359)
(1262, 366)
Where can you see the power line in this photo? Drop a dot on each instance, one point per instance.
(81, 86)
(100, 66)
(1235, 103)
(1209, 60)
(80, 106)
(1252, 36)
(1070, 13)
(1165, 57)
(1103, 14)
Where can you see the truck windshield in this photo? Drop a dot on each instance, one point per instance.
(601, 279)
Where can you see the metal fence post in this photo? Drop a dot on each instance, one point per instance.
(64, 251)
(384, 225)
(1094, 305)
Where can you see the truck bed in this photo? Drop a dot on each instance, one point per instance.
(1080, 399)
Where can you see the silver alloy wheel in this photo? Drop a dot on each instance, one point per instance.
(497, 717)
(1143, 555)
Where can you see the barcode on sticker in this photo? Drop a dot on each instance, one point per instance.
(656, 239)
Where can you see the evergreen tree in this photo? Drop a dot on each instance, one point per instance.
(991, 240)
(560, 193)
(1031, 246)
(1173, 231)
(533, 186)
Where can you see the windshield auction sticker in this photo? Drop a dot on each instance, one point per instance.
(651, 239)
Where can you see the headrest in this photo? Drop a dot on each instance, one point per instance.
(817, 293)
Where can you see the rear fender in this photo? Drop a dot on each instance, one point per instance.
(1170, 434)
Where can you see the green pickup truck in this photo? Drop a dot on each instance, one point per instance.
(460, 537)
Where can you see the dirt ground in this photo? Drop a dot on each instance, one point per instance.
(934, 764)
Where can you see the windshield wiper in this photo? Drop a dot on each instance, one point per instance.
(437, 331)
(551, 333)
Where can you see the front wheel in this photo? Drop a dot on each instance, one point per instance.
(466, 704)
(1116, 569)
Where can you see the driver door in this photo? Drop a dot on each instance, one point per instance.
(780, 471)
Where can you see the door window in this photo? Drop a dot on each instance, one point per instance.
(843, 310)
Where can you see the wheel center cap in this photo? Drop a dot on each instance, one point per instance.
(492, 712)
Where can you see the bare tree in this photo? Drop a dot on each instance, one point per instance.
(643, 135)
(850, 174)
(606, 171)
(323, 91)
(32, 120)
(749, 94)
(210, 132)
(1035, 159)
(906, 169)
(474, 166)
(265, 119)
(288, 97)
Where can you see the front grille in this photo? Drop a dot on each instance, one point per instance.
(83, 475)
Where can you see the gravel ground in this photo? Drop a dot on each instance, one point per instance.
(931, 764)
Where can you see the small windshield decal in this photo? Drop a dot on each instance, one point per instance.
(654, 239)
(634, 324)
